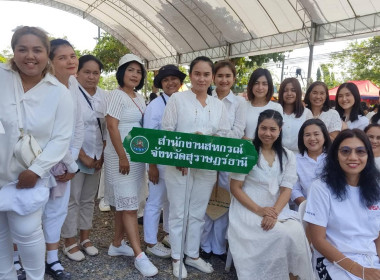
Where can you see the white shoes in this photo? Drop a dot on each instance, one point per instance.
(103, 206)
(145, 266)
(166, 241)
(90, 250)
(199, 264)
(77, 256)
(123, 250)
(176, 269)
(159, 250)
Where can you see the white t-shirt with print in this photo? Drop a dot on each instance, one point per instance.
(351, 227)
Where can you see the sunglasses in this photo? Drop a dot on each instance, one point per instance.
(359, 151)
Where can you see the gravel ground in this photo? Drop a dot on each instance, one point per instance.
(116, 268)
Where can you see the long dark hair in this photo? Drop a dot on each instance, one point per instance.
(259, 72)
(298, 106)
(326, 104)
(335, 178)
(356, 108)
(301, 145)
(277, 145)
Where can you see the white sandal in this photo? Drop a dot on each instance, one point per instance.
(77, 256)
(90, 250)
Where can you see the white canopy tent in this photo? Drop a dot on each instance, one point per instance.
(176, 31)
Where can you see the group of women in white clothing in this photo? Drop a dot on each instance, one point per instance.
(314, 155)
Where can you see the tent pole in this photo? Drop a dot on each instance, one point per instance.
(311, 52)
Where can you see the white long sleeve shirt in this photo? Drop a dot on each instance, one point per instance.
(237, 113)
(47, 111)
(154, 112)
(93, 138)
(184, 113)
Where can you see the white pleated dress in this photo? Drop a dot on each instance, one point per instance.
(273, 254)
(121, 191)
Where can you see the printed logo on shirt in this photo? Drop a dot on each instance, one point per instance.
(310, 213)
(374, 208)
(139, 144)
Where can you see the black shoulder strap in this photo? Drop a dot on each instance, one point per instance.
(89, 103)
(163, 98)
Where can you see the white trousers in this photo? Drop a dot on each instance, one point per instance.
(200, 183)
(157, 200)
(214, 235)
(26, 233)
(81, 205)
(54, 216)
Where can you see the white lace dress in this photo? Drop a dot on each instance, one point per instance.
(121, 191)
(272, 254)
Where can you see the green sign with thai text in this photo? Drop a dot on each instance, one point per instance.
(190, 150)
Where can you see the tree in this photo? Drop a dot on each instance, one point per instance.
(328, 75)
(319, 75)
(109, 50)
(360, 60)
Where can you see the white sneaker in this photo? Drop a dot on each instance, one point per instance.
(123, 250)
(166, 241)
(145, 266)
(159, 250)
(103, 206)
(176, 270)
(199, 264)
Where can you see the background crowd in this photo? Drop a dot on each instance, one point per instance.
(309, 208)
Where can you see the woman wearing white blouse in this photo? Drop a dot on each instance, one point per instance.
(266, 240)
(347, 102)
(259, 92)
(85, 184)
(192, 111)
(373, 133)
(313, 144)
(295, 114)
(48, 116)
(317, 100)
(213, 239)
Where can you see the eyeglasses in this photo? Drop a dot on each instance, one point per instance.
(359, 151)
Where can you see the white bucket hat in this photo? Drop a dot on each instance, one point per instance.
(128, 58)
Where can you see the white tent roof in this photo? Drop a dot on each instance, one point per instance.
(176, 31)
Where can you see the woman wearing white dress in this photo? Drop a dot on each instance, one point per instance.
(343, 211)
(123, 178)
(84, 185)
(213, 239)
(317, 100)
(266, 239)
(313, 144)
(192, 111)
(373, 133)
(259, 92)
(347, 102)
(295, 114)
(47, 114)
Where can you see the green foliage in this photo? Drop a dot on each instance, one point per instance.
(319, 74)
(361, 60)
(328, 75)
(108, 82)
(109, 50)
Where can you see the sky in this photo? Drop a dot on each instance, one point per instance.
(82, 33)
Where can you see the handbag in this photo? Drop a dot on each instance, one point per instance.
(27, 148)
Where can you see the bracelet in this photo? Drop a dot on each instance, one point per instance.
(121, 158)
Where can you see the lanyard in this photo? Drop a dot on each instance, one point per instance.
(89, 103)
